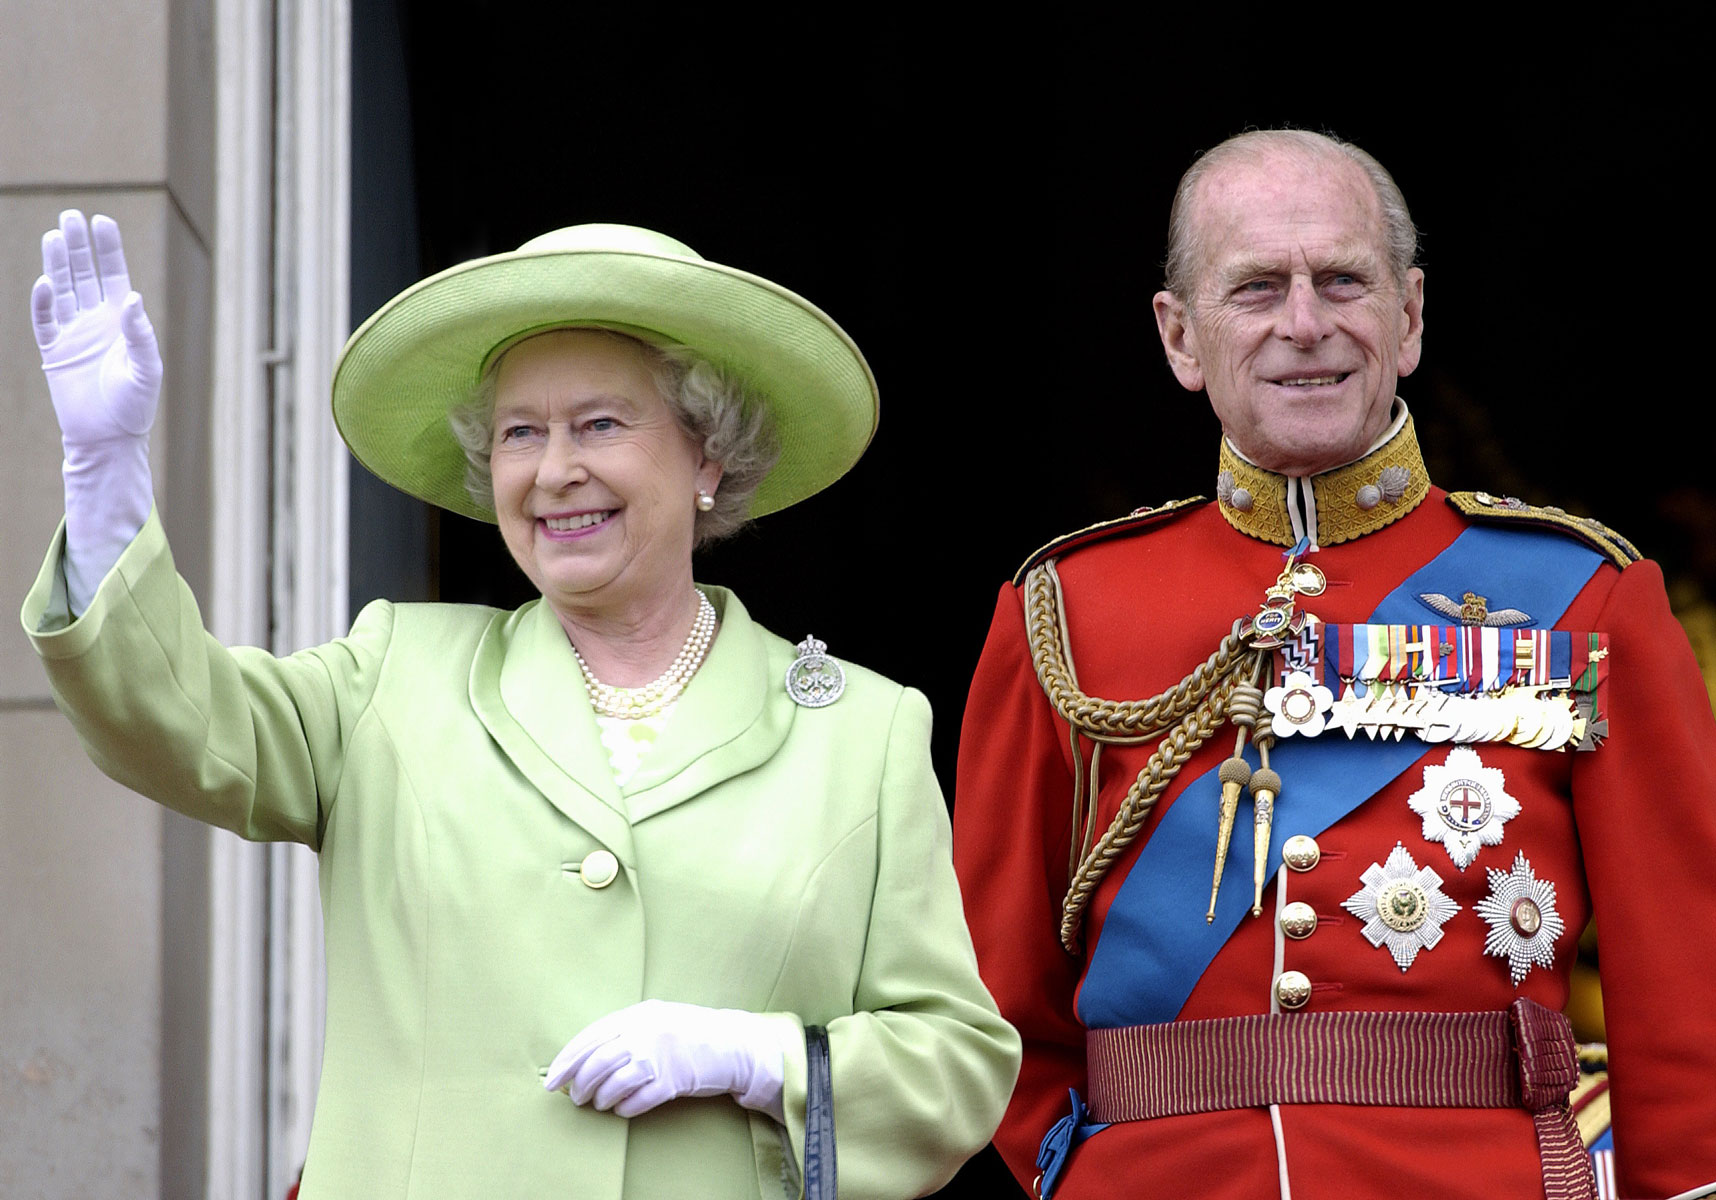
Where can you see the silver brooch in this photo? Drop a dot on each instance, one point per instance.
(1402, 906)
(1520, 911)
(1463, 805)
(814, 680)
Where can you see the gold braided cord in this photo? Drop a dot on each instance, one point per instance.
(1123, 721)
(1187, 713)
(1083, 816)
(1180, 744)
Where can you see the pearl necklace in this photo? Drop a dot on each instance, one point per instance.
(633, 703)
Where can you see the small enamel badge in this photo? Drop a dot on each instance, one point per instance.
(1596, 728)
(814, 680)
(1463, 805)
(1520, 911)
(1299, 705)
(1402, 906)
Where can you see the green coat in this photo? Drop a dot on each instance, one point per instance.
(444, 762)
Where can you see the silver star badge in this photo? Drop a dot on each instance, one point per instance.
(1520, 911)
(1463, 805)
(1402, 906)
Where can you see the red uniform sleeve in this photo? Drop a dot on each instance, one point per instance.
(1012, 821)
(1645, 803)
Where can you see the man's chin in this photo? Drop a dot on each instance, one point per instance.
(1308, 455)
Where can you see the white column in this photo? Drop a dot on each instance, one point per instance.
(281, 271)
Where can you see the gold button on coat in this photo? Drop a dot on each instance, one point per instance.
(1301, 852)
(1298, 920)
(599, 869)
(1292, 990)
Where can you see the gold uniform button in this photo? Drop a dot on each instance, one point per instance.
(1298, 920)
(1300, 852)
(599, 869)
(1292, 990)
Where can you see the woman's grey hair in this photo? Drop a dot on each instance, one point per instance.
(714, 407)
(1185, 243)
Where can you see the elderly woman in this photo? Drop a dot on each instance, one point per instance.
(614, 884)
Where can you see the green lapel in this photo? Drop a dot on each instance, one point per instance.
(526, 689)
(733, 716)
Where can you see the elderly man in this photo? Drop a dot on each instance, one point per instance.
(1279, 816)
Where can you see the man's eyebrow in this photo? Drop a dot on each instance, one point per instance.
(1247, 266)
(1356, 257)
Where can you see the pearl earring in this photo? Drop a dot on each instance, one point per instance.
(705, 502)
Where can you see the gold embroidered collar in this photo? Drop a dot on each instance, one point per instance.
(1335, 506)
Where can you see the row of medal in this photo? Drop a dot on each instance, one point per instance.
(1463, 805)
(1535, 688)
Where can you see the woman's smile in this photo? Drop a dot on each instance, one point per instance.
(577, 525)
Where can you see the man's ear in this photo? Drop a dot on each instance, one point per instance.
(1178, 340)
(1412, 323)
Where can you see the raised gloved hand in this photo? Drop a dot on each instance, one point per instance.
(649, 1053)
(104, 374)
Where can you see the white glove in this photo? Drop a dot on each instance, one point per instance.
(104, 374)
(649, 1053)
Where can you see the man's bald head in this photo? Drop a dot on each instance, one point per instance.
(1186, 248)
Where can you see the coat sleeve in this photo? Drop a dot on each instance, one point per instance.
(923, 1066)
(236, 738)
(1012, 835)
(1645, 803)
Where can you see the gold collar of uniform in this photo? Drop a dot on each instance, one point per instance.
(1350, 501)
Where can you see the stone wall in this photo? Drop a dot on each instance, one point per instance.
(103, 950)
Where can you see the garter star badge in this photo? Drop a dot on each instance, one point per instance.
(1463, 805)
(1520, 911)
(814, 680)
(1402, 906)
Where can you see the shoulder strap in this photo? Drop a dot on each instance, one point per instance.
(1136, 521)
(1505, 510)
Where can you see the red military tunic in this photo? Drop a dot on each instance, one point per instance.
(1626, 832)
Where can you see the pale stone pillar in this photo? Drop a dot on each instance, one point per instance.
(103, 896)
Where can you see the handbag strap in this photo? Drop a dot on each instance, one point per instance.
(819, 1179)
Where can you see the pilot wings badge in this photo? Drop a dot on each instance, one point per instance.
(1473, 609)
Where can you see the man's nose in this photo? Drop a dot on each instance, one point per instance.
(562, 462)
(1304, 318)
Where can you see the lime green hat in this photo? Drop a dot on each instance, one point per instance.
(425, 350)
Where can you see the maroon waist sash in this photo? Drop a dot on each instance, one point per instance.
(1521, 1058)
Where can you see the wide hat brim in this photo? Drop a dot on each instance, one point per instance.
(425, 350)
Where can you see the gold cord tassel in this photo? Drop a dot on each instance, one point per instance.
(1234, 774)
(1243, 710)
(1265, 786)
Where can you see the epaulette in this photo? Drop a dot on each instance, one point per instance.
(1133, 522)
(1505, 510)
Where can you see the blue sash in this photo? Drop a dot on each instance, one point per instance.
(1155, 944)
